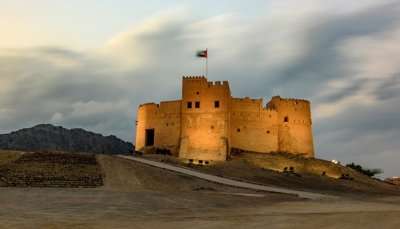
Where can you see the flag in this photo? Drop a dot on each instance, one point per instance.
(202, 53)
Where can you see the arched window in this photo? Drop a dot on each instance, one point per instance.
(286, 119)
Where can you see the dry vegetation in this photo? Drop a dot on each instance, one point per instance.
(7, 156)
(51, 170)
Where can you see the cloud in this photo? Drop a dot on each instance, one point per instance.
(341, 58)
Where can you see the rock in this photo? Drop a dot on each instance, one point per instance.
(46, 137)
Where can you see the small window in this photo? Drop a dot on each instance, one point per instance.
(197, 104)
(238, 129)
(189, 105)
(197, 93)
(212, 127)
(268, 132)
(216, 104)
(286, 119)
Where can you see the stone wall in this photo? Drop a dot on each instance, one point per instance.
(253, 127)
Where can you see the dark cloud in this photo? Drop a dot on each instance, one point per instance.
(316, 56)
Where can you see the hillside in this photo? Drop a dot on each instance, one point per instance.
(262, 170)
(46, 137)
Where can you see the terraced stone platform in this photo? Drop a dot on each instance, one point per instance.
(52, 170)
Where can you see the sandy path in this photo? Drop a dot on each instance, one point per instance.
(226, 181)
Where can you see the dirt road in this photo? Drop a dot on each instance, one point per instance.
(225, 181)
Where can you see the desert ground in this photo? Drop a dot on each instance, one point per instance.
(139, 196)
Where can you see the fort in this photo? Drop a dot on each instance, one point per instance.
(207, 124)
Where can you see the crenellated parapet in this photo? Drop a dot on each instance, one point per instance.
(290, 100)
(203, 80)
(194, 78)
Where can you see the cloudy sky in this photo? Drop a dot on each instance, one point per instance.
(90, 63)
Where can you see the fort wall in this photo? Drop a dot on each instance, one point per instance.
(207, 123)
(253, 127)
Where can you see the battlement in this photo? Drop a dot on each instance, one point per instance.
(194, 78)
(217, 83)
(148, 105)
(294, 100)
(248, 99)
(162, 105)
(204, 79)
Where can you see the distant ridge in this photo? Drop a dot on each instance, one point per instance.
(46, 137)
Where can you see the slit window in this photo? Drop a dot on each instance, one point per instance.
(216, 104)
(189, 105)
(197, 104)
(286, 119)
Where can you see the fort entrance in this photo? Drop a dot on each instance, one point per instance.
(149, 137)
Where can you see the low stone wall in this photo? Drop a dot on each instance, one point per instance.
(52, 170)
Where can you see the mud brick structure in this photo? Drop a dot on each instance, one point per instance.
(208, 123)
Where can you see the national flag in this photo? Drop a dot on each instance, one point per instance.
(202, 53)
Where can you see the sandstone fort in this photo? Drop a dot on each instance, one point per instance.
(208, 123)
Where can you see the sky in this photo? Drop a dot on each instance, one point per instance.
(89, 64)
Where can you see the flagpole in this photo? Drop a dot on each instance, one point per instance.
(207, 64)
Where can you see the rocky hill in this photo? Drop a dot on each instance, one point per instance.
(46, 137)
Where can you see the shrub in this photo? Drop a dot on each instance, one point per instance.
(368, 172)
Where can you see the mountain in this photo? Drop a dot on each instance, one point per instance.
(46, 137)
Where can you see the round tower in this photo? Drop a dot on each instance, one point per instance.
(294, 125)
(145, 126)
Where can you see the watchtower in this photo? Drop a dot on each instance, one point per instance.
(204, 120)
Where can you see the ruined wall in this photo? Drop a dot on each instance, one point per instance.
(294, 125)
(281, 162)
(253, 127)
(205, 128)
(165, 119)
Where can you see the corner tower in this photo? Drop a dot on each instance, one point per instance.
(204, 119)
(294, 125)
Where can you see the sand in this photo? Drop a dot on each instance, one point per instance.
(138, 196)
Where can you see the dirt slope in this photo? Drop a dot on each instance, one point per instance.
(246, 171)
(128, 176)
